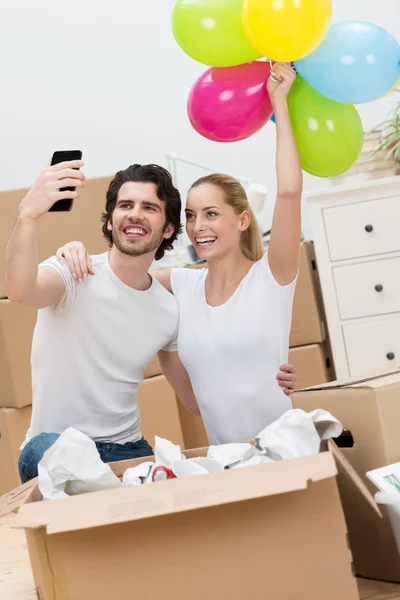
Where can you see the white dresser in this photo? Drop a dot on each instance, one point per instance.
(356, 232)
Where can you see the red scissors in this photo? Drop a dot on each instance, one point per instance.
(163, 474)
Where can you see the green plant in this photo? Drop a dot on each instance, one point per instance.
(390, 138)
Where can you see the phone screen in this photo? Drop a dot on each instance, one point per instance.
(58, 157)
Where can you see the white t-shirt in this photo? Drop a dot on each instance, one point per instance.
(233, 352)
(89, 353)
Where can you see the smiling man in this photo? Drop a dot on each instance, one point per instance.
(93, 341)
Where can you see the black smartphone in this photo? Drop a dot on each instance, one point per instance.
(58, 157)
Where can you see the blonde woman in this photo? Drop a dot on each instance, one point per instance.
(235, 316)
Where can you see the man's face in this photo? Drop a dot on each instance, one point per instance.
(138, 222)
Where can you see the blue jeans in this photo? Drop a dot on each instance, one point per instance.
(33, 452)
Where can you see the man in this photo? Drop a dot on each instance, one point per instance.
(93, 341)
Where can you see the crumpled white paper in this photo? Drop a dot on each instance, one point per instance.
(230, 454)
(196, 466)
(72, 465)
(138, 475)
(298, 433)
(166, 453)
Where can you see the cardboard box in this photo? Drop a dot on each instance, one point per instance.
(153, 369)
(370, 411)
(277, 528)
(308, 319)
(193, 430)
(55, 229)
(14, 423)
(16, 329)
(159, 411)
(312, 363)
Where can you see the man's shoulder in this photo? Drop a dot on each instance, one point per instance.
(99, 259)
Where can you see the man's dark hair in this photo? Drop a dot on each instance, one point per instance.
(166, 191)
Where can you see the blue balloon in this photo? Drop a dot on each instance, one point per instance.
(273, 118)
(357, 62)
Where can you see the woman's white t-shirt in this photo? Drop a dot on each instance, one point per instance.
(233, 352)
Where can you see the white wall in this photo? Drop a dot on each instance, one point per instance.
(108, 78)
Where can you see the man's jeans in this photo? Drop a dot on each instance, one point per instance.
(33, 452)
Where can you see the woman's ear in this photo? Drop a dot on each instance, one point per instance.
(245, 219)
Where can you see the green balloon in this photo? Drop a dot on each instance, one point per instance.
(211, 32)
(329, 135)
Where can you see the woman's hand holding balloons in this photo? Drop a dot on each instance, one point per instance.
(280, 81)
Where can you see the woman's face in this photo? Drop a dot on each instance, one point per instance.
(213, 227)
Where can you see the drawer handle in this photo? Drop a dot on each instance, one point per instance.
(379, 287)
(369, 228)
(390, 355)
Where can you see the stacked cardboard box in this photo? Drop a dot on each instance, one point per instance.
(16, 328)
(309, 344)
(159, 407)
(17, 323)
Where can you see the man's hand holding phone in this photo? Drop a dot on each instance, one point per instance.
(47, 189)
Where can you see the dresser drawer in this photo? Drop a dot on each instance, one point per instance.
(372, 346)
(367, 289)
(363, 228)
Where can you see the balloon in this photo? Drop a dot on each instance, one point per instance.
(211, 32)
(357, 62)
(231, 104)
(286, 30)
(396, 85)
(329, 135)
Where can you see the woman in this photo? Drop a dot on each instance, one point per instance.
(235, 316)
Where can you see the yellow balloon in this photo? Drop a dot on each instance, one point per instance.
(286, 30)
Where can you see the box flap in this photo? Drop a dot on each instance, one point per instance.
(14, 499)
(378, 380)
(133, 503)
(344, 465)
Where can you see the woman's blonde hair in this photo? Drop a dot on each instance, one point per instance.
(235, 195)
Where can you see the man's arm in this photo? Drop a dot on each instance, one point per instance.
(177, 376)
(26, 284)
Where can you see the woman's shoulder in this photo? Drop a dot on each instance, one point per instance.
(284, 291)
(186, 278)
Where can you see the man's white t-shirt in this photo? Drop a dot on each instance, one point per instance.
(89, 353)
(233, 352)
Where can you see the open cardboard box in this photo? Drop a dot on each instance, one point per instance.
(275, 529)
(369, 410)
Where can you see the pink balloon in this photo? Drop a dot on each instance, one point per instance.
(230, 104)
